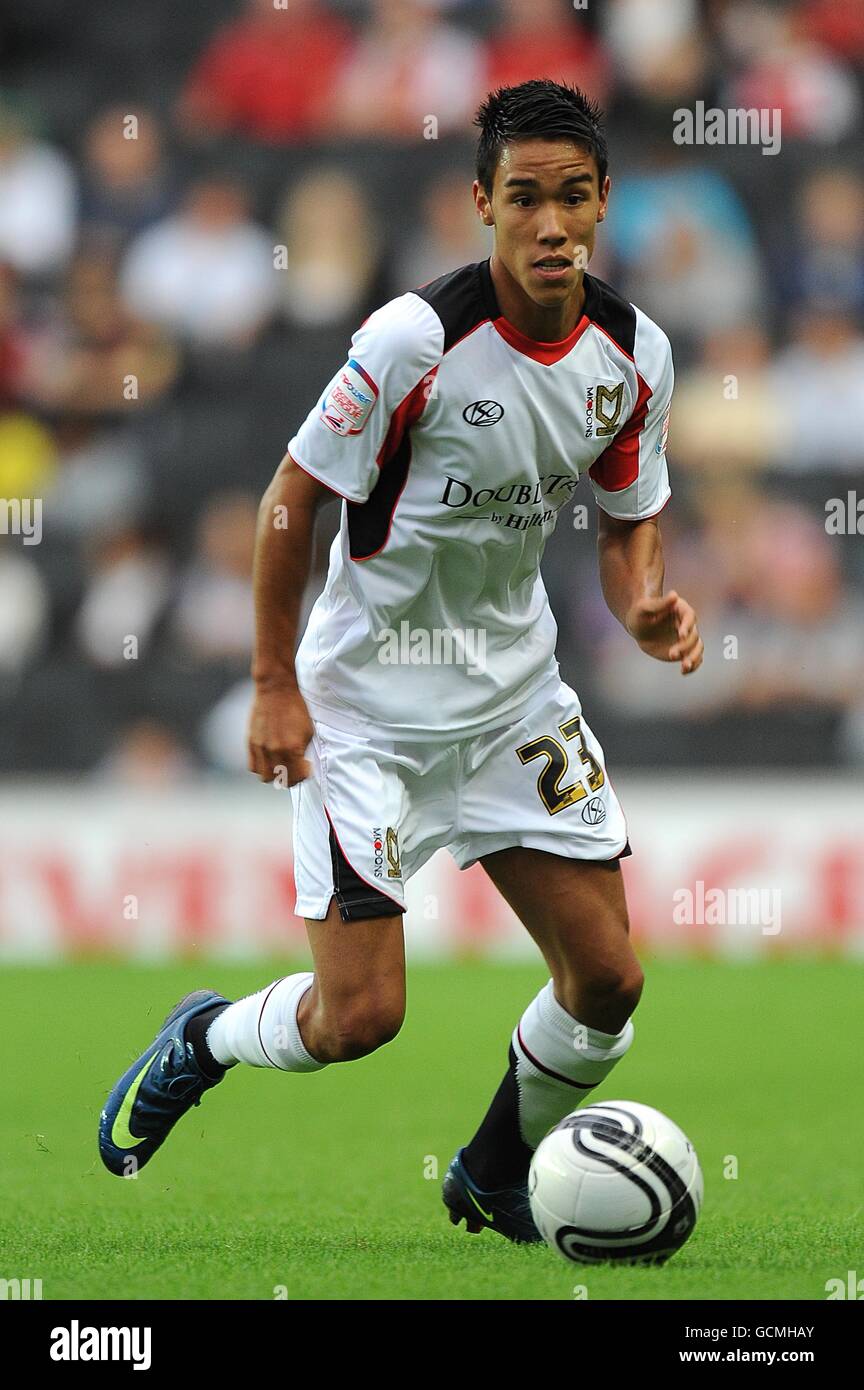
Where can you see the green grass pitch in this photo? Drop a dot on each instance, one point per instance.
(317, 1186)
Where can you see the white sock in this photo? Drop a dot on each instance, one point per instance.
(262, 1029)
(558, 1061)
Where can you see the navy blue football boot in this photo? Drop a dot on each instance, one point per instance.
(149, 1099)
(506, 1210)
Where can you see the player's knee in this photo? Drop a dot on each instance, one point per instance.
(630, 989)
(617, 990)
(606, 997)
(361, 1026)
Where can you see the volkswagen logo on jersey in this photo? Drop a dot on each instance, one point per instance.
(482, 413)
(594, 813)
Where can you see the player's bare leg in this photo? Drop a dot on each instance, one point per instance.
(570, 1037)
(357, 999)
(351, 1004)
(576, 911)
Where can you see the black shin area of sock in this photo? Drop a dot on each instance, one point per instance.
(196, 1034)
(498, 1155)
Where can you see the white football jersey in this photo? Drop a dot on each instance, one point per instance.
(457, 442)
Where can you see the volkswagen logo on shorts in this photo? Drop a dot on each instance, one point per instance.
(595, 812)
(482, 413)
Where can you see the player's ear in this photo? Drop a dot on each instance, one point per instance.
(484, 207)
(604, 196)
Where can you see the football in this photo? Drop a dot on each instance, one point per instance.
(615, 1181)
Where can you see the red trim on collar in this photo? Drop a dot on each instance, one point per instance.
(547, 353)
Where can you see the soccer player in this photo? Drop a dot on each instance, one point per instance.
(426, 707)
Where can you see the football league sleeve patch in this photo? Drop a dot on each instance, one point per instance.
(630, 479)
(349, 400)
(341, 440)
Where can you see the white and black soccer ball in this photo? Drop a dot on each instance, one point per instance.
(615, 1181)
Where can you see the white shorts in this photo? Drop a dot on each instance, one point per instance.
(375, 809)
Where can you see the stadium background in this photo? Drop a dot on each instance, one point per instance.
(197, 207)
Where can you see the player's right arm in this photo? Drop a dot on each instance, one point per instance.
(340, 449)
(280, 728)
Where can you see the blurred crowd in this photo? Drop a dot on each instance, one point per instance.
(189, 237)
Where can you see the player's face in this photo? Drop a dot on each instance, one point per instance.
(545, 207)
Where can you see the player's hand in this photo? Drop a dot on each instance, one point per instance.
(666, 628)
(280, 731)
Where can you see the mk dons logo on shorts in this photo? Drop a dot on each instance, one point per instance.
(603, 406)
(392, 845)
(385, 843)
(349, 399)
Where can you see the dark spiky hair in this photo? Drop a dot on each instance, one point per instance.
(539, 109)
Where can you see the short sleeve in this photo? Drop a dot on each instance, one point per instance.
(342, 440)
(630, 479)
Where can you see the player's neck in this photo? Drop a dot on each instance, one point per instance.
(550, 325)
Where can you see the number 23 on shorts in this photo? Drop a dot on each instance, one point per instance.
(554, 796)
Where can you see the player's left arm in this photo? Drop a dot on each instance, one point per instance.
(631, 576)
(630, 481)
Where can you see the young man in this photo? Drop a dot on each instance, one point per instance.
(456, 431)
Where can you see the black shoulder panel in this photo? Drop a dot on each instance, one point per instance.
(461, 299)
(611, 312)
